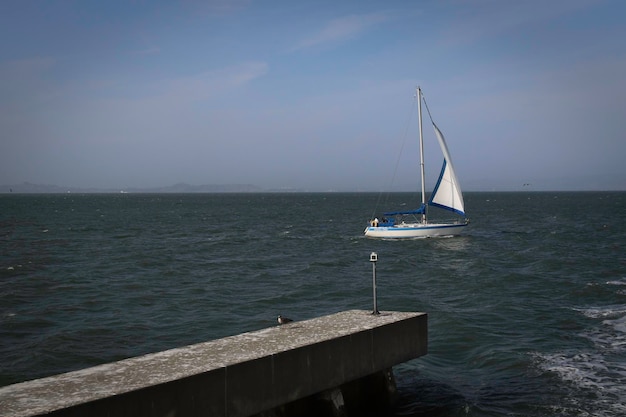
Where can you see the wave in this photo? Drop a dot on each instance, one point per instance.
(596, 382)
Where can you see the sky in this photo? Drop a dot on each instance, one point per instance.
(312, 95)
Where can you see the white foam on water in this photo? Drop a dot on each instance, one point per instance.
(615, 338)
(603, 312)
(620, 283)
(599, 371)
(598, 382)
(610, 334)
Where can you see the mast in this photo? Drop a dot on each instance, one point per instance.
(419, 121)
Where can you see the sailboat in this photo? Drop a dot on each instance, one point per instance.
(446, 195)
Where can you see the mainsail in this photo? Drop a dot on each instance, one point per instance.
(447, 193)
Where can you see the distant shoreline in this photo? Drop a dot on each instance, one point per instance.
(28, 188)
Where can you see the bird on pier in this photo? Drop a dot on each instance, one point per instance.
(283, 320)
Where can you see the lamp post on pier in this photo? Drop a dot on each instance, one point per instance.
(373, 260)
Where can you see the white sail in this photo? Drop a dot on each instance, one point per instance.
(447, 193)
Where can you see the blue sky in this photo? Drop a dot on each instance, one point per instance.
(312, 95)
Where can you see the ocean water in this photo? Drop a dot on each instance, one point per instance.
(527, 309)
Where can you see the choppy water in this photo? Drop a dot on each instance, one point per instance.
(527, 310)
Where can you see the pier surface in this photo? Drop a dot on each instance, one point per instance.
(236, 376)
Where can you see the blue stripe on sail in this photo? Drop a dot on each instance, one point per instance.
(459, 212)
(434, 193)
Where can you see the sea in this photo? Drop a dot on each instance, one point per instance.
(526, 309)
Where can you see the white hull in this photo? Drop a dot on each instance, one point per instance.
(415, 230)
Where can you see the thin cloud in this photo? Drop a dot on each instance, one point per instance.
(200, 86)
(342, 29)
(209, 83)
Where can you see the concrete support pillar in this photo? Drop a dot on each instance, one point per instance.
(332, 402)
(375, 393)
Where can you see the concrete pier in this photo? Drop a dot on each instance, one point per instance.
(237, 376)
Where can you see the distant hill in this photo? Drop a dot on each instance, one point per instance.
(28, 188)
(207, 188)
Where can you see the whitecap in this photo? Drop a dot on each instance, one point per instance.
(603, 312)
(610, 335)
(617, 324)
(589, 372)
